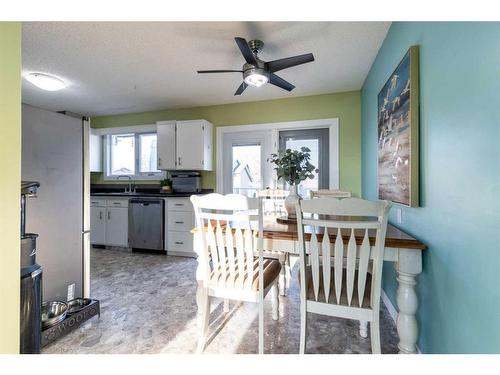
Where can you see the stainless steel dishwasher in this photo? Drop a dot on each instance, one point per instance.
(146, 223)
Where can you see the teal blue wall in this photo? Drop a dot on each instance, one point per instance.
(459, 217)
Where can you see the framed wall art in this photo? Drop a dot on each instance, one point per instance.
(398, 133)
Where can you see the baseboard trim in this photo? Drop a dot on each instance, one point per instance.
(390, 307)
(392, 311)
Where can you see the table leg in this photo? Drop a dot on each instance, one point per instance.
(408, 266)
(281, 281)
(288, 272)
(282, 276)
(406, 322)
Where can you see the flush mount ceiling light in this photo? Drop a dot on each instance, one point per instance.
(45, 81)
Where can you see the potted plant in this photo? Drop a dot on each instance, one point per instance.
(292, 167)
(166, 185)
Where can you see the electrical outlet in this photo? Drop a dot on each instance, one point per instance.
(71, 292)
(399, 215)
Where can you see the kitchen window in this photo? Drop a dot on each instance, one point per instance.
(132, 154)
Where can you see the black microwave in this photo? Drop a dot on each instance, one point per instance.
(186, 182)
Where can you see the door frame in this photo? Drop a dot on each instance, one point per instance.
(331, 123)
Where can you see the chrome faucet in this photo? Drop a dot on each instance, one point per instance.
(129, 189)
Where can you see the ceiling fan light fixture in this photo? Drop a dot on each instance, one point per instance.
(256, 77)
(46, 81)
(257, 72)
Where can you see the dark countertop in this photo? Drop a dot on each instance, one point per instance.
(145, 195)
(141, 191)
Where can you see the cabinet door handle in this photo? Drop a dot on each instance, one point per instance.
(179, 204)
(179, 222)
(109, 215)
(159, 162)
(179, 243)
(179, 160)
(100, 215)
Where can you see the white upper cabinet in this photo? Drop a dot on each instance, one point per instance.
(165, 132)
(185, 145)
(95, 151)
(194, 145)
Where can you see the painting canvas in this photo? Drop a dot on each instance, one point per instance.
(398, 133)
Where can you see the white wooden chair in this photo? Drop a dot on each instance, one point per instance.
(227, 265)
(346, 289)
(274, 201)
(274, 205)
(326, 193)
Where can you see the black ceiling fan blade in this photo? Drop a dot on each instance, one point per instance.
(280, 82)
(246, 51)
(242, 88)
(220, 71)
(288, 62)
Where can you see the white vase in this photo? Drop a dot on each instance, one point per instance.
(290, 202)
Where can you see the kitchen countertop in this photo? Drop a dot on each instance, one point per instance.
(118, 191)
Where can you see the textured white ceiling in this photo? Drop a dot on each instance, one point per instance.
(123, 67)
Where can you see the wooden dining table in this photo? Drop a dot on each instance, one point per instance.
(401, 249)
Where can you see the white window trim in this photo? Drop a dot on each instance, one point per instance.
(331, 123)
(136, 130)
(146, 128)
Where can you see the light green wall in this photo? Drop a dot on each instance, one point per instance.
(10, 182)
(345, 106)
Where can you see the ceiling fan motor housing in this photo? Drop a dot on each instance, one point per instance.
(256, 45)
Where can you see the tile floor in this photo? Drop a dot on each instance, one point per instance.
(148, 306)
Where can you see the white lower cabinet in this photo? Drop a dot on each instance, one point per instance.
(109, 222)
(181, 243)
(116, 226)
(98, 225)
(180, 221)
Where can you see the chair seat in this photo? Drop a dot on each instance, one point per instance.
(332, 298)
(271, 268)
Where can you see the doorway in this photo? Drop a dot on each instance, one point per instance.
(243, 152)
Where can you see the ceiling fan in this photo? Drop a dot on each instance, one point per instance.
(257, 72)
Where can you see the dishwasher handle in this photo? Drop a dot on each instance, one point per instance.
(145, 202)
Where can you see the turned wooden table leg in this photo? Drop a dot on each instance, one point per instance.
(408, 267)
(406, 322)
